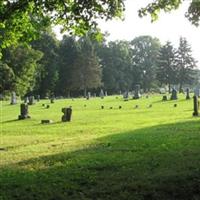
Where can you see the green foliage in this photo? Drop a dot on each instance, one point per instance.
(17, 24)
(7, 77)
(145, 54)
(23, 61)
(185, 63)
(48, 66)
(167, 71)
(154, 8)
(137, 154)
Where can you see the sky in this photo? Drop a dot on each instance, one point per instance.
(169, 27)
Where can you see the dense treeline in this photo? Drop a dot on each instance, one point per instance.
(74, 66)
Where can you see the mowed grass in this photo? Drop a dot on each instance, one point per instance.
(116, 154)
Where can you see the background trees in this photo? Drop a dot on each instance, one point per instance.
(73, 65)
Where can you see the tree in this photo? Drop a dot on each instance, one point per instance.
(23, 62)
(68, 53)
(145, 54)
(75, 16)
(154, 8)
(48, 74)
(185, 63)
(6, 76)
(87, 71)
(167, 70)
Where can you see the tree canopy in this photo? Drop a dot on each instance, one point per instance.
(20, 20)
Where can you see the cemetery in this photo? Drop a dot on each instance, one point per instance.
(74, 151)
(99, 100)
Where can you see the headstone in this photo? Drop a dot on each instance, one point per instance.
(197, 92)
(126, 96)
(106, 94)
(187, 93)
(52, 100)
(175, 105)
(47, 106)
(164, 98)
(137, 94)
(1, 97)
(88, 95)
(136, 106)
(95, 95)
(13, 98)
(31, 100)
(101, 94)
(46, 121)
(23, 111)
(196, 112)
(67, 114)
(38, 98)
(102, 107)
(120, 107)
(26, 100)
(174, 94)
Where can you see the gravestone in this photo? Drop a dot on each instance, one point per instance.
(106, 94)
(23, 111)
(52, 100)
(174, 94)
(187, 93)
(31, 100)
(197, 92)
(88, 95)
(101, 94)
(196, 107)
(26, 100)
(164, 98)
(102, 107)
(38, 98)
(13, 98)
(46, 121)
(137, 94)
(126, 96)
(95, 95)
(67, 114)
(1, 97)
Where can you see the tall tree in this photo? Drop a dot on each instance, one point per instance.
(87, 70)
(48, 74)
(68, 53)
(185, 63)
(23, 62)
(167, 71)
(145, 54)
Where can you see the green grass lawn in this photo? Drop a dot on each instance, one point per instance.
(116, 154)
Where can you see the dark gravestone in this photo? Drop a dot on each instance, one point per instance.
(47, 106)
(126, 96)
(67, 114)
(187, 93)
(120, 107)
(52, 100)
(174, 94)
(23, 111)
(175, 105)
(102, 107)
(196, 112)
(46, 121)
(31, 100)
(13, 98)
(164, 98)
(137, 94)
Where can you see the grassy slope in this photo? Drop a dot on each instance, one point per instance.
(144, 153)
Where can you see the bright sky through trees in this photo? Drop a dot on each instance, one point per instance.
(170, 26)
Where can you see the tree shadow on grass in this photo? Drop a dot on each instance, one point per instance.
(154, 163)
